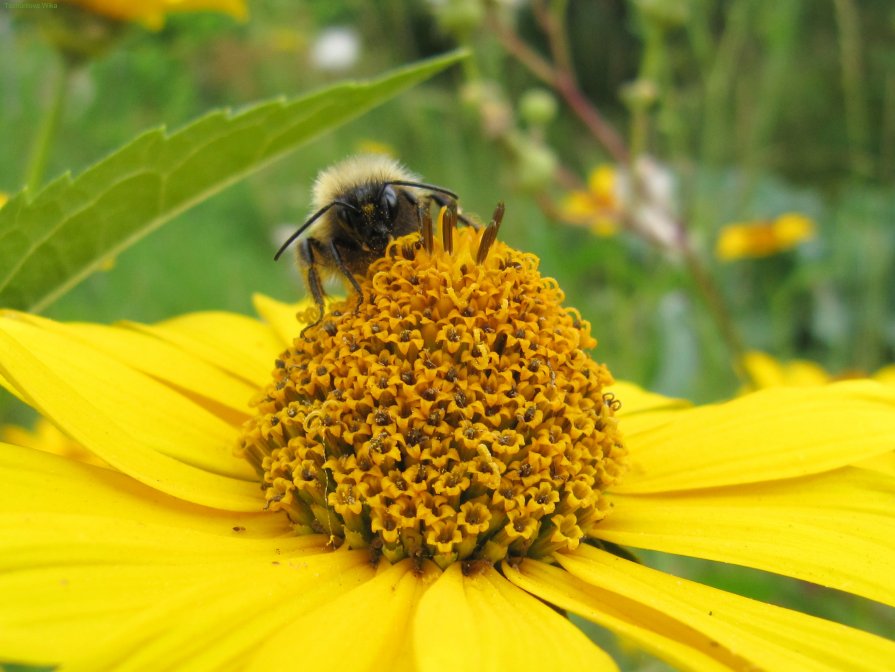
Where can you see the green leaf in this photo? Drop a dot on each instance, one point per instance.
(50, 243)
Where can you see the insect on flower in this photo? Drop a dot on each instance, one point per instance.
(361, 204)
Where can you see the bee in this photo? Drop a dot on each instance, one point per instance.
(360, 205)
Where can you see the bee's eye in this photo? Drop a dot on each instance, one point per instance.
(389, 202)
(349, 216)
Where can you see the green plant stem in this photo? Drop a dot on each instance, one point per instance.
(718, 126)
(848, 24)
(565, 85)
(718, 310)
(552, 20)
(49, 125)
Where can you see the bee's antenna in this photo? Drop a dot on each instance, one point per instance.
(313, 218)
(423, 185)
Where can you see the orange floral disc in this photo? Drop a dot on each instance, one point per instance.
(453, 415)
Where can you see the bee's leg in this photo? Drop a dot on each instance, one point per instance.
(306, 248)
(343, 269)
(445, 202)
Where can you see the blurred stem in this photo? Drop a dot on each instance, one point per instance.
(847, 22)
(887, 134)
(552, 20)
(650, 71)
(717, 129)
(781, 24)
(718, 310)
(639, 130)
(700, 35)
(49, 125)
(565, 84)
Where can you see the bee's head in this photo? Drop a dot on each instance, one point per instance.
(369, 214)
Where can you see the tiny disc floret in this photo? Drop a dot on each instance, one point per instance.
(454, 415)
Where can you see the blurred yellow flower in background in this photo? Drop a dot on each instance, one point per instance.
(766, 371)
(152, 13)
(3, 198)
(749, 240)
(598, 206)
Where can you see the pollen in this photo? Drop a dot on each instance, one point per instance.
(454, 415)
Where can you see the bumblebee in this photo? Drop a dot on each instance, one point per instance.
(360, 205)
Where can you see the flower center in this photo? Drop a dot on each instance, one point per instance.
(453, 415)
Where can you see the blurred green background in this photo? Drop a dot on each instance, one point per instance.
(758, 107)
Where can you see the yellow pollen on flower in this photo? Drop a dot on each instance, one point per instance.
(453, 415)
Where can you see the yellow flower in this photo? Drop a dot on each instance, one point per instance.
(598, 207)
(764, 238)
(4, 198)
(459, 399)
(765, 371)
(152, 12)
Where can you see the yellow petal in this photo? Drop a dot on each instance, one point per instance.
(222, 620)
(46, 437)
(364, 628)
(121, 608)
(769, 637)
(234, 343)
(172, 423)
(134, 423)
(603, 226)
(48, 613)
(634, 399)
(834, 529)
(792, 228)
(235, 8)
(71, 579)
(578, 206)
(169, 364)
(65, 540)
(483, 622)
(747, 240)
(763, 436)
(9, 387)
(72, 567)
(39, 482)
(655, 632)
(281, 316)
(151, 13)
(886, 375)
(883, 464)
(763, 369)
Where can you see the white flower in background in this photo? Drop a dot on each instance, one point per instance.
(336, 48)
(647, 195)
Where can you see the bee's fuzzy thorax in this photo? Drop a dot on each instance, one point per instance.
(344, 176)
